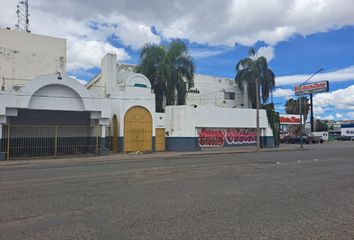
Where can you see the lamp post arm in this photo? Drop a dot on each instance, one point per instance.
(319, 70)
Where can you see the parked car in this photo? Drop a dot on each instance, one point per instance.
(294, 139)
(314, 139)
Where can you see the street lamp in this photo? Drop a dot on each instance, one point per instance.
(300, 104)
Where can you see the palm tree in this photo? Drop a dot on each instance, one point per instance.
(151, 64)
(254, 68)
(292, 107)
(170, 70)
(255, 72)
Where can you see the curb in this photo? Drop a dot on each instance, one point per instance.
(236, 152)
(83, 160)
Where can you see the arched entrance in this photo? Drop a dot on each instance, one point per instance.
(115, 134)
(137, 130)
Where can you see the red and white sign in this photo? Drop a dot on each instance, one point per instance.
(216, 137)
(289, 119)
(316, 87)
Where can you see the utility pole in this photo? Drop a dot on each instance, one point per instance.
(257, 116)
(22, 16)
(300, 112)
(311, 117)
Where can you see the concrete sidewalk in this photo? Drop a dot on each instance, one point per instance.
(150, 156)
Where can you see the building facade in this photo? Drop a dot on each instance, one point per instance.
(43, 112)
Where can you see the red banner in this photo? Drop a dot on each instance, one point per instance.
(289, 119)
(211, 137)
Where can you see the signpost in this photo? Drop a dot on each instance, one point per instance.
(310, 89)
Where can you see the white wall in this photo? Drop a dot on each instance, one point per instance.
(182, 121)
(24, 56)
(160, 120)
(47, 92)
(211, 92)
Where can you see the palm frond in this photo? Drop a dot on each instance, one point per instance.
(244, 63)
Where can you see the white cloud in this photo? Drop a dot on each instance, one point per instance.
(328, 117)
(350, 114)
(131, 33)
(221, 22)
(338, 115)
(85, 54)
(341, 75)
(207, 52)
(318, 110)
(341, 99)
(267, 52)
(283, 93)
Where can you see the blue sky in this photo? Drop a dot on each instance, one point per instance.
(297, 36)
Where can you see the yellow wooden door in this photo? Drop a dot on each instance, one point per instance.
(115, 133)
(160, 140)
(137, 130)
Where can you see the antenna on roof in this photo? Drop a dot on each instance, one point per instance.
(22, 16)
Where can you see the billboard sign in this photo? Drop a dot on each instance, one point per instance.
(289, 119)
(347, 130)
(316, 87)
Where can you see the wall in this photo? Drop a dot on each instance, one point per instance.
(47, 92)
(182, 123)
(159, 120)
(24, 56)
(211, 92)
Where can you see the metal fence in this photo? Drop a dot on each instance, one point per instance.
(49, 141)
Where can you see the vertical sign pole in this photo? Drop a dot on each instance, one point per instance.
(300, 111)
(312, 127)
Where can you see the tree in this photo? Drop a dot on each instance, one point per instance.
(292, 107)
(321, 126)
(249, 70)
(254, 71)
(170, 70)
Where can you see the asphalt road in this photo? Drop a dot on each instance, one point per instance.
(270, 195)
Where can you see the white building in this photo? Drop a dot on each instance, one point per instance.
(216, 91)
(25, 56)
(43, 112)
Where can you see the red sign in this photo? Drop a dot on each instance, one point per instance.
(211, 137)
(289, 119)
(316, 87)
